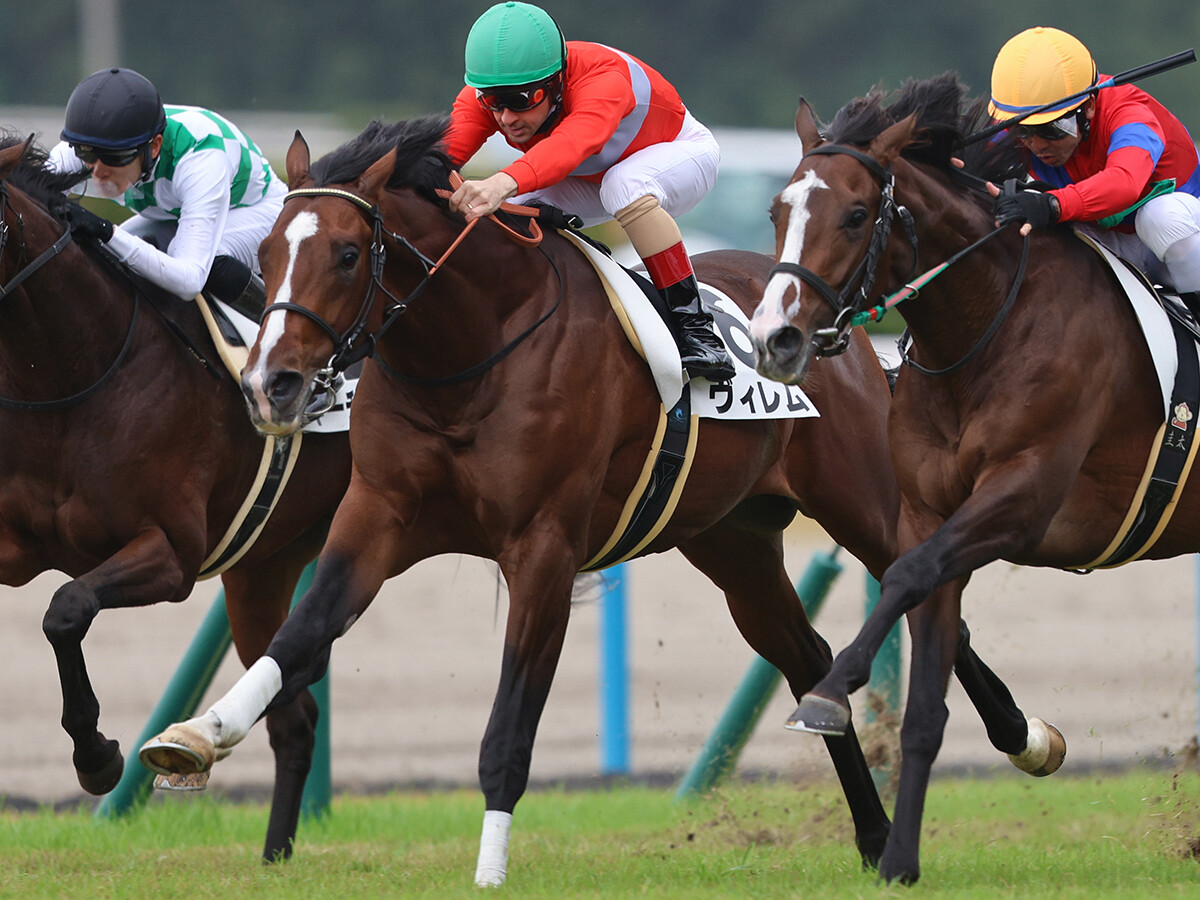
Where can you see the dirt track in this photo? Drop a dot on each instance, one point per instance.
(1110, 658)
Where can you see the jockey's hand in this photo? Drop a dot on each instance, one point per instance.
(85, 223)
(476, 199)
(1034, 208)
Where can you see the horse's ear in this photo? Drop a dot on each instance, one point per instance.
(806, 126)
(888, 145)
(11, 157)
(370, 183)
(297, 162)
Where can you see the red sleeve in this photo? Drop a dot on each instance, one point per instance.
(594, 103)
(470, 126)
(1107, 180)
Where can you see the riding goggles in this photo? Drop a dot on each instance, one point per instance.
(1064, 127)
(516, 100)
(114, 159)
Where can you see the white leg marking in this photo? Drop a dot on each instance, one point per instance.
(772, 314)
(229, 720)
(492, 867)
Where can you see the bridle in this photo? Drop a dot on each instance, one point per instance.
(346, 353)
(850, 300)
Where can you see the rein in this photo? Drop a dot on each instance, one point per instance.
(45, 256)
(345, 353)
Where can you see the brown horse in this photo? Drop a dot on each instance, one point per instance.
(128, 456)
(505, 415)
(1009, 440)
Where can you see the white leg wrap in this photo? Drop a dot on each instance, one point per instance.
(239, 709)
(492, 867)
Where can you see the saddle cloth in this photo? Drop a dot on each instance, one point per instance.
(1173, 347)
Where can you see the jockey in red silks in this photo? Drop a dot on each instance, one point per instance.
(604, 137)
(1111, 158)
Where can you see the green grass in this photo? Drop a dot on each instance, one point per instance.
(1130, 835)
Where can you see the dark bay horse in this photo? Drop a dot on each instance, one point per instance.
(125, 460)
(1023, 421)
(505, 415)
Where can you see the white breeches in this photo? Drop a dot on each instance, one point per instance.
(1167, 243)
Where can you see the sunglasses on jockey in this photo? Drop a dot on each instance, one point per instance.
(520, 99)
(1060, 128)
(114, 159)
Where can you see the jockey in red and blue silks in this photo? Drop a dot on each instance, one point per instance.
(604, 136)
(1111, 158)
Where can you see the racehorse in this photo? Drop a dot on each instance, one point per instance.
(504, 414)
(128, 456)
(1010, 439)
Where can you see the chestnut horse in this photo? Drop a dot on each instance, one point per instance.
(1009, 440)
(128, 455)
(505, 415)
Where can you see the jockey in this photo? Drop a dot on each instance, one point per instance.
(197, 185)
(604, 136)
(1110, 159)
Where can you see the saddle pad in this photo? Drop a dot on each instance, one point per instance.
(747, 396)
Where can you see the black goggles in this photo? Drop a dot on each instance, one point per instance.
(516, 100)
(114, 159)
(1048, 131)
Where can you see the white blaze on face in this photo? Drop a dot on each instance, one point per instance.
(772, 313)
(305, 225)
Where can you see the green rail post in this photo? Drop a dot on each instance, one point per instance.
(183, 694)
(720, 752)
(883, 689)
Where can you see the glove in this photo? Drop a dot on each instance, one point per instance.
(1034, 207)
(85, 223)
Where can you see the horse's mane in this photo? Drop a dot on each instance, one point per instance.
(32, 174)
(944, 118)
(421, 162)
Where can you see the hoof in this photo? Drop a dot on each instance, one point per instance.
(180, 750)
(106, 778)
(1045, 749)
(817, 715)
(197, 781)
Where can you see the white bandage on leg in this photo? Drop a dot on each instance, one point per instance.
(492, 868)
(241, 706)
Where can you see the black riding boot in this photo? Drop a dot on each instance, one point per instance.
(231, 281)
(702, 353)
(1191, 299)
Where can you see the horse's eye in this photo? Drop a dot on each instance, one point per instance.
(856, 219)
(348, 258)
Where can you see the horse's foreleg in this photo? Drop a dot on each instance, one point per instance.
(539, 605)
(297, 656)
(145, 571)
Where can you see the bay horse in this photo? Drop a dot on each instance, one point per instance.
(1010, 438)
(128, 454)
(506, 416)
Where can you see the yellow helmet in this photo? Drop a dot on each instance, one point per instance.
(1039, 66)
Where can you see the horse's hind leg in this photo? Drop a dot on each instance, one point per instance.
(1034, 746)
(145, 571)
(748, 567)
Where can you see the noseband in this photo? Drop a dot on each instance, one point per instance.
(834, 340)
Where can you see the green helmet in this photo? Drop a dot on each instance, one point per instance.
(512, 44)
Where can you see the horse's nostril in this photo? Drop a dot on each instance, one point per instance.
(786, 342)
(282, 388)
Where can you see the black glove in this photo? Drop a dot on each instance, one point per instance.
(1034, 207)
(85, 223)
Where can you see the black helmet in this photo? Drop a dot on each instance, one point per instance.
(114, 109)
